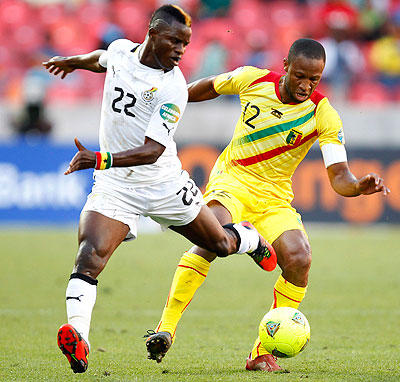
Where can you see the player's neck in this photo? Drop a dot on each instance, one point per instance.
(148, 58)
(283, 91)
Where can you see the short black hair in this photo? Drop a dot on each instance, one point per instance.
(308, 48)
(170, 13)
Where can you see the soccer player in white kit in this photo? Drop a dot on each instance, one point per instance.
(144, 97)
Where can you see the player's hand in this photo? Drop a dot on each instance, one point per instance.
(371, 183)
(57, 65)
(82, 160)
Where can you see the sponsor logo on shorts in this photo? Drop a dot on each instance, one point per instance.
(170, 112)
(221, 194)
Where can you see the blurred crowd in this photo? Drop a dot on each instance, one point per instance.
(361, 37)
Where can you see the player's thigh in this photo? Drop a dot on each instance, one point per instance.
(276, 220)
(228, 192)
(101, 233)
(205, 230)
(119, 203)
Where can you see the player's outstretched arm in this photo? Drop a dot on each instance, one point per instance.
(346, 184)
(148, 153)
(66, 65)
(202, 90)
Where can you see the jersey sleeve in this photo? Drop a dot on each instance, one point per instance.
(329, 124)
(115, 46)
(121, 44)
(171, 104)
(233, 82)
(237, 81)
(103, 59)
(330, 133)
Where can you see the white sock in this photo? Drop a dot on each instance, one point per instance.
(81, 297)
(249, 239)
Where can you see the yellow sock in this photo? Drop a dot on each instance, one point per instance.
(285, 294)
(189, 275)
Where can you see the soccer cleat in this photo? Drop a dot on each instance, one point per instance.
(157, 344)
(266, 362)
(265, 255)
(74, 347)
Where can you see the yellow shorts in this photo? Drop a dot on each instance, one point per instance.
(269, 214)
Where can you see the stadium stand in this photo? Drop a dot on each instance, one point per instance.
(236, 32)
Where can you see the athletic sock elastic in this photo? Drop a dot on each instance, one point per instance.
(285, 294)
(189, 275)
(80, 300)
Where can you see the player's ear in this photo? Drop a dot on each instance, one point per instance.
(285, 64)
(152, 33)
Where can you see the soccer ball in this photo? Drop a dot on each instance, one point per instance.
(284, 332)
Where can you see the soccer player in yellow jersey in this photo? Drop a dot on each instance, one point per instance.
(282, 116)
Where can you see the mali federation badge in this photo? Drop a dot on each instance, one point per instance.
(148, 95)
(294, 137)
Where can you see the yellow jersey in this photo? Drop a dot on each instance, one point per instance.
(271, 138)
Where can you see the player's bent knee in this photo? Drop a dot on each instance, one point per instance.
(91, 259)
(298, 257)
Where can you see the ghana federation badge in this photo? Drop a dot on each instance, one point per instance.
(148, 95)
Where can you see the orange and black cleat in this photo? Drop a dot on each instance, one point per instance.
(157, 344)
(265, 255)
(74, 347)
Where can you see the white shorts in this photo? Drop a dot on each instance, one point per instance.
(176, 202)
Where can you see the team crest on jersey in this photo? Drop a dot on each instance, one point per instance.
(294, 137)
(170, 112)
(148, 95)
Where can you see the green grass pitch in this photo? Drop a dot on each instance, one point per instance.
(352, 304)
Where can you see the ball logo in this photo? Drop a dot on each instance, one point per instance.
(170, 112)
(148, 95)
(298, 318)
(272, 328)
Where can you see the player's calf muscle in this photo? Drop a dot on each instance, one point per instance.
(225, 247)
(222, 245)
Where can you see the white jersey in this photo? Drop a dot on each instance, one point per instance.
(139, 102)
